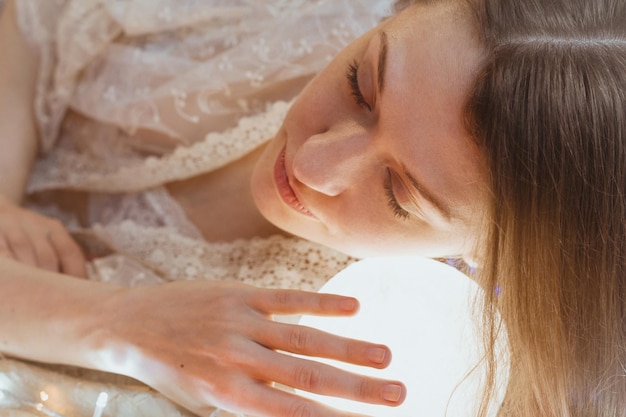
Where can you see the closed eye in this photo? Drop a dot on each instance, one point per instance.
(392, 200)
(352, 74)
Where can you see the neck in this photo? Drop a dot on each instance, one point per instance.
(220, 203)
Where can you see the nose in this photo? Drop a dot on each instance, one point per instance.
(333, 160)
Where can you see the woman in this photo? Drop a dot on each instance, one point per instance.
(507, 149)
(129, 65)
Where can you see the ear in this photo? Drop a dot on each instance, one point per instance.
(470, 261)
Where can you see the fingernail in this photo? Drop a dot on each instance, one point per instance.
(392, 393)
(348, 304)
(376, 355)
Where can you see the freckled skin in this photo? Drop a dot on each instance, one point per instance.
(338, 153)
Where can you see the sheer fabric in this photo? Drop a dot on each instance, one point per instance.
(133, 94)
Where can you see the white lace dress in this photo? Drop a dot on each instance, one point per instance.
(133, 94)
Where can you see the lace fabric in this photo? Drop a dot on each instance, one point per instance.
(122, 63)
(86, 160)
(133, 94)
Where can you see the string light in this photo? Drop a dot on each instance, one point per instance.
(101, 403)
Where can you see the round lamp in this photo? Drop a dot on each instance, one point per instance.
(421, 309)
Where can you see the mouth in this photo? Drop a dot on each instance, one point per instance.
(287, 194)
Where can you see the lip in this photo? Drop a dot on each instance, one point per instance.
(283, 186)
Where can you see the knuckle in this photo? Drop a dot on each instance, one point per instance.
(227, 351)
(48, 260)
(66, 252)
(308, 378)
(298, 340)
(300, 409)
(18, 242)
(222, 390)
(363, 390)
(282, 298)
(55, 224)
(352, 349)
(66, 246)
(234, 357)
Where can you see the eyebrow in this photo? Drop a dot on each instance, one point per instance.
(442, 207)
(382, 60)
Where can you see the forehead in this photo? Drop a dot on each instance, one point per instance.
(433, 54)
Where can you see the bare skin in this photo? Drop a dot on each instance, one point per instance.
(220, 203)
(230, 342)
(219, 341)
(39, 241)
(17, 73)
(229, 339)
(24, 236)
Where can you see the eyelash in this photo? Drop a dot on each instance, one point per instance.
(353, 81)
(398, 211)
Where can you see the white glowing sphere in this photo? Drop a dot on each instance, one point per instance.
(421, 309)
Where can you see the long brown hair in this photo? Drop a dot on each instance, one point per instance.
(548, 110)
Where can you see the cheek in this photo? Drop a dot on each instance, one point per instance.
(366, 228)
(365, 219)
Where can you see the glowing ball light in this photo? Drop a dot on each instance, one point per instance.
(421, 309)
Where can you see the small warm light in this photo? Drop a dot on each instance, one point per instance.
(101, 403)
(44, 396)
(420, 308)
(39, 407)
(103, 399)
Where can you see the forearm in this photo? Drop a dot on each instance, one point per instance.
(18, 134)
(50, 317)
(199, 343)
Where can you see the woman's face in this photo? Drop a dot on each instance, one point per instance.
(373, 158)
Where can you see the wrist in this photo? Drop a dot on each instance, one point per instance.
(82, 327)
(106, 338)
(47, 317)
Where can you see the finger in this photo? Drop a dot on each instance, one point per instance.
(307, 341)
(262, 400)
(21, 246)
(302, 302)
(319, 378)
(5, 250)
(45, 254)
(71, 258)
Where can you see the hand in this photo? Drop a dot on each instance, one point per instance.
(37, 240)
(208, 344)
